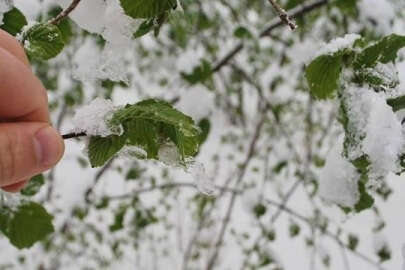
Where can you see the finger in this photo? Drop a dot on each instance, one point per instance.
(15, 187)
(22, 95)
(27, 149)
(10, 44)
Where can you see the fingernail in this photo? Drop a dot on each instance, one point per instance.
(47, 144)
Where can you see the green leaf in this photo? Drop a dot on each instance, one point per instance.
(43, 41)
(353, 241)
(242, 33)
(33, 186)
(365, 200)
(397, 103)
(118, 220)
(65, 25)
(25, 225)
(294, 230)
(13, 21)
(102, 149)
(279, 166)
(158, 121)
(144, 134)
(146, 8)
(133, 174)
(323, 75)
(259, 209)
(205, 126)
(145, 28)
(383, 51)
(199, 74)
(384, 253)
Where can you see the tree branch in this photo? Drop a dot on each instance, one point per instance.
(73, 135)
(65, 12)
(283, 15)
(228, 214)
(277, 22)
(167, 186)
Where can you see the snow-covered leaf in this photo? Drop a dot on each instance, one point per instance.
(384, 51)
(168, 122)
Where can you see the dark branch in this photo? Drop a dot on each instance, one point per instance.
(65, 12)
(283, 15)
(73, 135)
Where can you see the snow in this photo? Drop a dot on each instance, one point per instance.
(338, 179)
(92, 119)
(10, 200)
(389, 75)
(377, 129)
(5, 5)
(377, 13)
(108, 20)
(204, 183)
(338, 44)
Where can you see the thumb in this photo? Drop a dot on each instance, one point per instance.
(27, 149)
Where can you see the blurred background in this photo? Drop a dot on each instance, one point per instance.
(239, 73)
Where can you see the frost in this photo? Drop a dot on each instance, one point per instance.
(92, 119)
(5, 5)
(377, 129)
(338, 44)
(338, 179)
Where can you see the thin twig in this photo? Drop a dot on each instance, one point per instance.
(65, 12)
(283, 15)
(167, 186)
(231, 204)
(73, 135)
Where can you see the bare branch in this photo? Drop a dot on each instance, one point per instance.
(228, 214)
(283, 15)
(167, 186)
(65, 12)
(294, 13)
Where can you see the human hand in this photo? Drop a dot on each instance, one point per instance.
(28, 144)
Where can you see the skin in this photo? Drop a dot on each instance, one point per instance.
(28, 143)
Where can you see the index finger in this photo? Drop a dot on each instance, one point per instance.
(22, 96)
